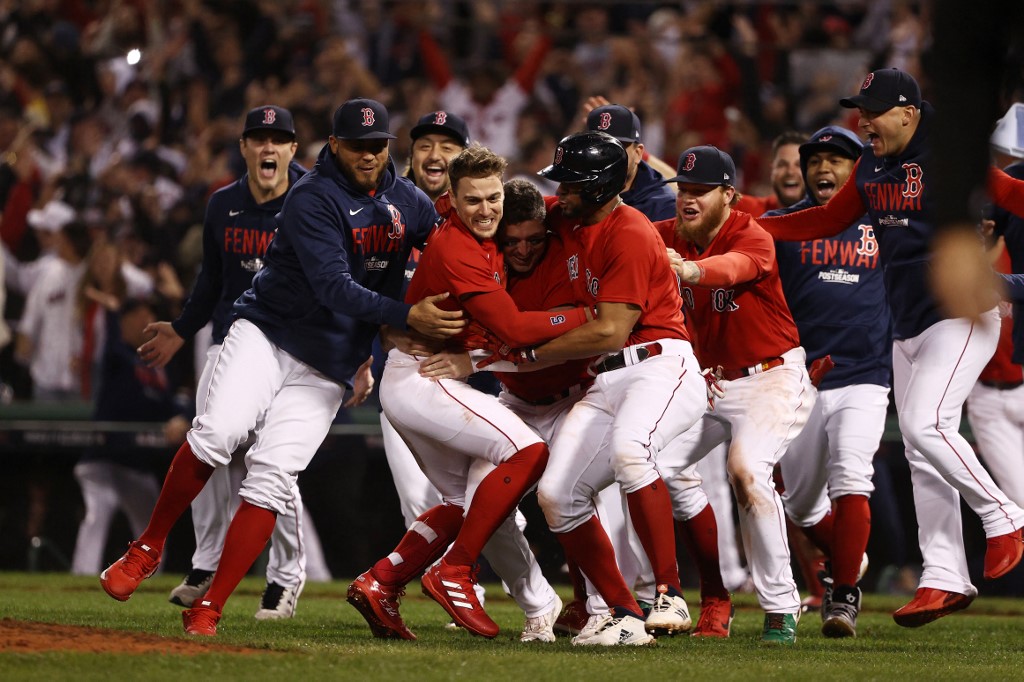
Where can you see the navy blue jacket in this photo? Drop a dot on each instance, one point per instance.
(650, 194)
(1011, 227)
(335, 270)
(236, 233)
(835, 291)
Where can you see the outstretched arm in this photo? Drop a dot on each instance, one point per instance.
(821, 221)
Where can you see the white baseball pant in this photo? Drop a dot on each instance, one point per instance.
(932, 375)
(997, 421)
(715, 482)
(760, 415)
(833, 454)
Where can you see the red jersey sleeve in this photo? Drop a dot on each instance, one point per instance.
(821, 221)
(1007, 192)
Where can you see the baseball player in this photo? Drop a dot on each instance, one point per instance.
(936, 360)
(647, 191)
(465, 431)
(835, 292)
(301, 337)
(237, 230)
(730, 287)
(648, 388)
(786, 178)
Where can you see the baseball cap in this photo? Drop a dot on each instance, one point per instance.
(617, 121)
(361, 119)
(269, 117)
(442, 123)
(833, 139)
(52, 217)
(705, 165)
(1008, 137)
(884, 89)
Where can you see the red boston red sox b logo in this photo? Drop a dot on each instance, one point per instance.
(915, 181)
(867, 81)
(605, 121)
(824, 138)
(269, 116)
(367, 116)
(558, 155)
(691, 160)
(440, 118)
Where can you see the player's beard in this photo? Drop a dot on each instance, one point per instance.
(696, 231)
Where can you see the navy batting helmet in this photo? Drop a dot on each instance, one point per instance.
(595, 159)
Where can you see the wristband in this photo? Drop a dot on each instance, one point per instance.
(528, 354)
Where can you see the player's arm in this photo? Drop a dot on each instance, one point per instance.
(821, 221)
(607, 333)
(1007, 191)
(726, 270)
(496, 311)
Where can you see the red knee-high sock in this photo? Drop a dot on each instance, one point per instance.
(185, 478)
(650, 508)
(808, 557)
(852, 528)
(700, 534)
(589, 547)
(821, 533)
(422, 544)
(497, 496)
(247, 535)
(579, 585)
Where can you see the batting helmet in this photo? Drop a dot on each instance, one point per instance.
(594, 158)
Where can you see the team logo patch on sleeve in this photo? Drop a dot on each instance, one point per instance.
(557, 320)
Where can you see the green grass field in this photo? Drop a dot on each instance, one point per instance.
(328, 640)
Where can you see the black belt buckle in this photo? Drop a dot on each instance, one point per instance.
(618, 361)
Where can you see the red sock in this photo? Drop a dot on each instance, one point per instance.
(579, 585)
(852, 528)
(185, 478)
(808, 557)
(247, 535)
(422, 544)
(700, 534)
(589, 548)
(650, 508)
(497, 496)
(821, 533)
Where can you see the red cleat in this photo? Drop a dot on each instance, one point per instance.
(716, 616)
(202, 618)
(930, 604)
(378, 604)
(1002, 554)
(453, 587)
(122, 578)
(572, 619)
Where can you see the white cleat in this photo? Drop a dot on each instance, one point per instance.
(669, 615)
(612, 630)
(541, 628)
(278, 601)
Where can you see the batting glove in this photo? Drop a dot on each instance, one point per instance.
(713, 380)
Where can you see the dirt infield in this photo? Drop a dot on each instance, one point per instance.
(28, 637)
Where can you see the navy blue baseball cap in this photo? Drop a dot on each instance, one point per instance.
(884, 89)
(269, 117)
(833, 139)
(705, 165)
(361, 119)
(617, 121)
(442, 123)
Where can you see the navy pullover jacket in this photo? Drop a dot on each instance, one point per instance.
(236, 234)
(334, 272)
(650, 194)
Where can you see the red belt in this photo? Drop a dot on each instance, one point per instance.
(763, 366)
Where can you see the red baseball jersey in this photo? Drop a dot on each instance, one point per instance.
(469, 269)
(749, 322)
(622, 260)
(1001, 367)
(545, 288)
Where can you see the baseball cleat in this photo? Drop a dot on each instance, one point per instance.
(122, 578)
(572, 619)
(669, 615)
(930, 604)
(590, 628)
(453, 587)
(1003, 553)
(541, 628)
(279, 601)
(201, 619)
(716, 616)
(616, 628)
(378, 604)
(840, 618)
(779, 628)
(194, 586)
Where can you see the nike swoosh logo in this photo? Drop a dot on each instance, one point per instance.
(234, 213)
(351, 212)
(878, 168)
